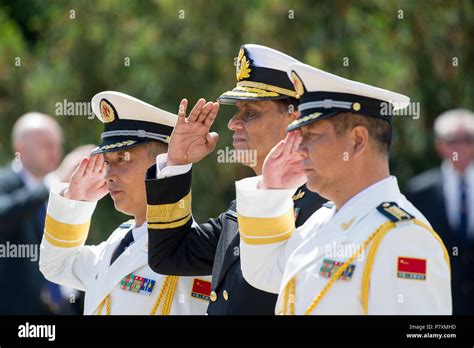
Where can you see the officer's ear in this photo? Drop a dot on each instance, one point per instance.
(294, 114)
(359, 139)
(293, 109)
(288, 107)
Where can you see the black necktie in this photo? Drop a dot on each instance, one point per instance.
(124, 243)
(462, 229)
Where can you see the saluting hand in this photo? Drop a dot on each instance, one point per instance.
(283, 166)
(88, 181)
(71, 162)
(191, 140)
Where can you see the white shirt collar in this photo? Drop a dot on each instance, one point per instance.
(367, 200)
(140, 231)
(381, 191)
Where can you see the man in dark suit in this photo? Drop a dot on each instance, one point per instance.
(445, 195)
(24, 188)
(265, 100)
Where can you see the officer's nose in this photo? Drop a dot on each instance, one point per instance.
(110, 173)
(235, 123)
(303, 148)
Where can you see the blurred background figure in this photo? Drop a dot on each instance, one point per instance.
(37, 142)
(445, 195)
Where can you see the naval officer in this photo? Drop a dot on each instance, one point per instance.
(265, 101)
(115, 274)
(367, 251)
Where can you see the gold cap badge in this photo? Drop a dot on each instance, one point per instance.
(106, 111)
(299, 89)
(242, 69)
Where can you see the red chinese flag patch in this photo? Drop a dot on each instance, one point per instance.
(410, 268)
(201, 289)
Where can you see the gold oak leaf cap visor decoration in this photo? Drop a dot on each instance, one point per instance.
(322, 95)
(261, 75)
(129, 121)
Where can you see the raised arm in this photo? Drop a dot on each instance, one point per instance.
(64, 259)
(265, 215)
(176, 244)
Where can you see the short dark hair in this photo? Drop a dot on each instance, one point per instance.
(154, 148)
(379, 130)
(284, 104)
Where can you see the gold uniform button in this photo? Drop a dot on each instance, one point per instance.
(226, 295)
(213, 296)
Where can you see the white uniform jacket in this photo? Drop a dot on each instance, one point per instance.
(389, 259)
(128, 286)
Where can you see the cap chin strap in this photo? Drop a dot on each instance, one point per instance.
(136, 133)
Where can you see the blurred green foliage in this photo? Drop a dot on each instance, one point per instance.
(186, 49)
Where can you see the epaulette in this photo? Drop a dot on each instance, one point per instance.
(394, 212)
